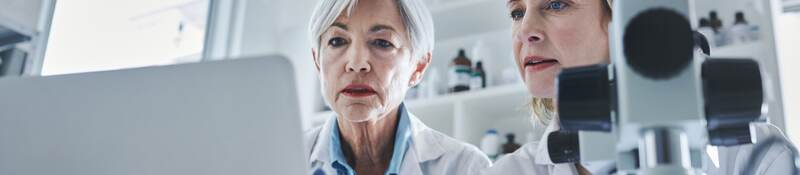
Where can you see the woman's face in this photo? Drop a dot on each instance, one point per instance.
(365, 61)
(550, 35)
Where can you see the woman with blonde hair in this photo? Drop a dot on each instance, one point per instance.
(550, 35)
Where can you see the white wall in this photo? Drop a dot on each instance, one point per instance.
(279, 27)
(789, 59)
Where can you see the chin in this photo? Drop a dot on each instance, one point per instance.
(356, 112)
(541, 89)
(355, 116)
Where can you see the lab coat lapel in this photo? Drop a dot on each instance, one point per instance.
(426, 145)
(542, 155)
(411, 163)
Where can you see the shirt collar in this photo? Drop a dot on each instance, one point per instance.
(401, 144)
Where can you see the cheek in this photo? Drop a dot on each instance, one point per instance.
(332, 69)
(517, 46)
(580, 45)
(568, 42)
(391, 75)
(394, 77)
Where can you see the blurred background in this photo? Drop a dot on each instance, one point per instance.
(99, 35)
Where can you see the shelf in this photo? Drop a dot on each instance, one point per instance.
(740, 50)
(466, 17)
(476, 97)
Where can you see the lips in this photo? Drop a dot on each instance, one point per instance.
(534, 63)
(358, 90)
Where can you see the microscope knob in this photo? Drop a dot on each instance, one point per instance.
(563, 147)
(585, 98)
(733, 92)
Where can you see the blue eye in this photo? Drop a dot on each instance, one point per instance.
(556, 5)
(516, 15)
(382, 43)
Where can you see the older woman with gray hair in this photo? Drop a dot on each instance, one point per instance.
(368, 54)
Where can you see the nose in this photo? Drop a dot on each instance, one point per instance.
(530, 31)
(358, 67)
(358, 62)
(530, 36)
(534, 39)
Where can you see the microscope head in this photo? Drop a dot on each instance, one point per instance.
(660, 97)
(657, 73)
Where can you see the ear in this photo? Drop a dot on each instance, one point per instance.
(316, 58)
(419, 70)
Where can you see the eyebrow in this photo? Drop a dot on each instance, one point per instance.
(375, 29)
(511, 1)
(340, 25)
(380, 27)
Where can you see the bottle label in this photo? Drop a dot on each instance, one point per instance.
(459, 76)
(475, 83)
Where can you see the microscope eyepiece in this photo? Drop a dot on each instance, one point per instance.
(585, 98)
(659, 43)
(734, 97)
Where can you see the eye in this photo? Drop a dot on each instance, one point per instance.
(337, 42)
(556, 5)
(382, 43)
(517, 14)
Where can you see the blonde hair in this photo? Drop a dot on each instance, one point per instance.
(543, 109)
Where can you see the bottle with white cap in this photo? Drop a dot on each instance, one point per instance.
(490, 144)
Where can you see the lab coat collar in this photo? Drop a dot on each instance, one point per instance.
(425, 145)
(320, 153)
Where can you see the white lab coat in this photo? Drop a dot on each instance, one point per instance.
(533, 158)
(431, 152)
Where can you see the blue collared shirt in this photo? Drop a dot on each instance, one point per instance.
(402, 141)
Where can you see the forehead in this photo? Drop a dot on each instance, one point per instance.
(369, 13)
(538, 1)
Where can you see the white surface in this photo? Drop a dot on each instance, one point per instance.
(789, 61)
(231, 117)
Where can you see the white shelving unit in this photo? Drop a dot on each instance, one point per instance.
(25, 24)
(466, 116)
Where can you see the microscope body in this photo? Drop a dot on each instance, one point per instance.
(660, 113)
(660, 102)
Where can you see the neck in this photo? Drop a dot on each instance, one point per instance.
(368, 145)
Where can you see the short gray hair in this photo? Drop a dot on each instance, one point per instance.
(416, 17)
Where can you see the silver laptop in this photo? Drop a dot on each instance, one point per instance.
(226, 117)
